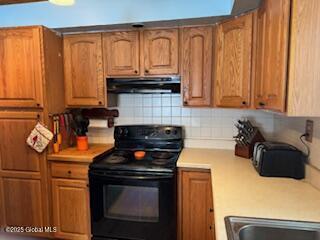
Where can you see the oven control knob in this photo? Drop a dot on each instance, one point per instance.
(168, 131)
(123, 132)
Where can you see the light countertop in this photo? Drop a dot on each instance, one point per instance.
(73, 155)
(238, 190)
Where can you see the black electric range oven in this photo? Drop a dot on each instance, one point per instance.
(136, 199)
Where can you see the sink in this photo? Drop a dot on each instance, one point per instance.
(243, 228)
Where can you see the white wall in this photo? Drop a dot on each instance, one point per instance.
(102, 12)
(289, 130)
(204, 127)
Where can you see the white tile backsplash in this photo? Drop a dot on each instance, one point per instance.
(207, 127)
(200, 124)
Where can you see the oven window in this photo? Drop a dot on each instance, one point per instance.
(131, 203)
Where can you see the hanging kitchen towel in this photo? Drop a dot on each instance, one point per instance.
(39, 138)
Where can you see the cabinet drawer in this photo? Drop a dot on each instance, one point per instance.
(66, 170)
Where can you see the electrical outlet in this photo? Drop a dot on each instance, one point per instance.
(309, 130)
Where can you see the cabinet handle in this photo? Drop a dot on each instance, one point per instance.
(262, 104)
(146, 71)
(210, 227)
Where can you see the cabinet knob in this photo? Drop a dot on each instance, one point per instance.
(244, 103)
(211, 210)
(38, 104)
(210, 227)
(146, 71)
(185, 102)
(69, 172)
(135, 71)
(100, 103)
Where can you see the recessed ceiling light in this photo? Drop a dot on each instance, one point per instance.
(62, 2)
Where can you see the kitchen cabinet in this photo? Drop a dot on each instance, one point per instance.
(70, 200)
(160, 51)
(71, 211)
(21, 67)
(2, 221)
(197, 66)
(23, 189)
(272, 55)
(195, 205)
(32, 88)
(304, 57)
(15, 155)
(22, 202)
(122, 53)
(233, 55)
(83, 70)
(140, 53)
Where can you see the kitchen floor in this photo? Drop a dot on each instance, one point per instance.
(5, 236)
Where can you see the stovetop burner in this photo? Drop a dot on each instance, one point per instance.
(162, 155)
(118, 157)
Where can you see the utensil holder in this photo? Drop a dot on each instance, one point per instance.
(246, 151)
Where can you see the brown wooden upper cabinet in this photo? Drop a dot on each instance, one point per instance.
(232, 71)
(160, 51)
(135, 53)
(83, 70)
(272, 55)
(197, 66)
(122, 53)
(21, 67)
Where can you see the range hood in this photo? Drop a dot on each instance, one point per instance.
(144, 85)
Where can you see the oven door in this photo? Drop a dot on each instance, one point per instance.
(133, 206)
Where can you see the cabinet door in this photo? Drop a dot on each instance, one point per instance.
(195, 205)
(121, 53)
(2, 221)
(197, 66)
(84, 81)
(71, 209)
(20, 68)
(272, 55)
(233, 48)
(15, 154)
(161, 51)
(22, 202)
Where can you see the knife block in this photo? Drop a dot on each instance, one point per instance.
(246, 151)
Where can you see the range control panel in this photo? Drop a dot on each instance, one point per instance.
(151, 132)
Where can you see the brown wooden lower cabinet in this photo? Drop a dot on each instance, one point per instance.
(22, 202)
(195, 205)
(70, 201)
(2, 222)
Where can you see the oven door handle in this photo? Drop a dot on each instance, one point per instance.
(133, 177)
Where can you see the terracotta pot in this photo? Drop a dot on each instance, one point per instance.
(82, 143)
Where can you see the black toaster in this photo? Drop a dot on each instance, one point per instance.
(275, 159)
